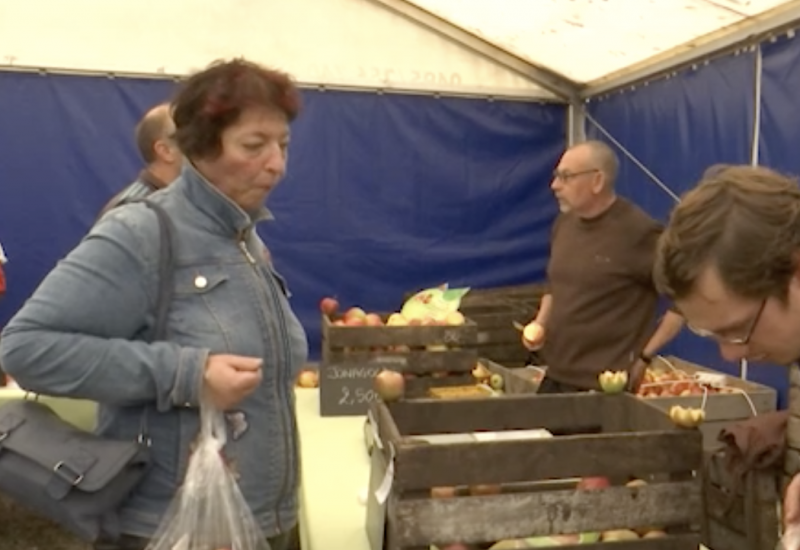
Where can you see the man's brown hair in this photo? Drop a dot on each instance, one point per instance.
(744, 221)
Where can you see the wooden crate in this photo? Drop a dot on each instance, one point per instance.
(529, 295)
(531, 374)
(353, 356)
(740, 516)
(721, 408)
(498, 339)
(511, 384)
(621, 437)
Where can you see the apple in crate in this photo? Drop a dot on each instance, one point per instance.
(373, 320)
(396, 320)
(329, 306)
(355, 313)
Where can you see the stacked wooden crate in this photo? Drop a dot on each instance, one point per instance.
(451, 472)
(495, 310)
(743, 514)
(430, 355)
(737, 400)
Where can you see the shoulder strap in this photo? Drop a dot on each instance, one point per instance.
(166, 270)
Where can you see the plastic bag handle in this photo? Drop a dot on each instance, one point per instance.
(212, 423)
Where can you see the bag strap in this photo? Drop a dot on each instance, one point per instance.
(166, 275)
(166, 271)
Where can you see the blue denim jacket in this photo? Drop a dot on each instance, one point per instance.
(84, 332)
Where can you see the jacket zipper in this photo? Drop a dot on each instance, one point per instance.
(279, 382)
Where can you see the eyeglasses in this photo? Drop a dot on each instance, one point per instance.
(566, 176)
(742, 341)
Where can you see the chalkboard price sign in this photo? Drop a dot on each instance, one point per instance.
(347, 389)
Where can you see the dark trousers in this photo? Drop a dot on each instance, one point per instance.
(548, 385)
(127, 542)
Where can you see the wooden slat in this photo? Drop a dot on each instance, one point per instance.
(793, 432)
(461, 335)
(507, 412)
(489, 518)
(717, 502)
(496, 462)
(672, 542)
(420, 362)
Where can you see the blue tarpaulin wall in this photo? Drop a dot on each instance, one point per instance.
(679, 125)
(385, 193)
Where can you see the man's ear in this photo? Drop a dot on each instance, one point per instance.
(598, 183)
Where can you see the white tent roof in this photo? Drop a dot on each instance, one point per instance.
(597, 43)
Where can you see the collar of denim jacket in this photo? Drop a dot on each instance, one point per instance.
(205, 196)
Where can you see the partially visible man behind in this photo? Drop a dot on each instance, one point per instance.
(601, 308)
(162, 157)
(3, 262)
(730, 259)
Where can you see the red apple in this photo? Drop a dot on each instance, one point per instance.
(329, 306)
(373, 320)
(591, 483)
(390, 385)
(338, 323)
(355, 312)
(354, 321)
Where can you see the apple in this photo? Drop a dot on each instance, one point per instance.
(532, 332)
(443, 492)
(329, 306)
(373, 320)
(355, 312)
(355, 321)
(390, 385)
(415, 322)
(480, 372)
(454, 318)
(339, 323)
(636, 483)
(613, 382)
(593, 483)
(308, 379)
(619, 535)
(484, 489)
(496, 381)
(396, 320)
(654, 534)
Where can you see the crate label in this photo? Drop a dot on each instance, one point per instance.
(347, 389)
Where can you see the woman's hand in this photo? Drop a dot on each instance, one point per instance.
(231, 378)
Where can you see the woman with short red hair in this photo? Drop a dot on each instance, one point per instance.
(231, 334)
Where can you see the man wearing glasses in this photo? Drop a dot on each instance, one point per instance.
(600, 311)
(162, 157)
(730, 260)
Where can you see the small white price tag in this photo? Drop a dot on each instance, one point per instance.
(382, 492)
(376, 438)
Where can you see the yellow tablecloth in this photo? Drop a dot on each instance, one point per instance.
(335, 469)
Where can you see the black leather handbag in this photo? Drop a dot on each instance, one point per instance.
(71, 476)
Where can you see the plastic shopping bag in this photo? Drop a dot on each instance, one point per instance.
(433, 303)
(209, 511)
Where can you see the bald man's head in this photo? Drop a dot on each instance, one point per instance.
(604, 158)
(156, 126)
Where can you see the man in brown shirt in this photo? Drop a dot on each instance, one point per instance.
(162, 157)
(600, 310)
